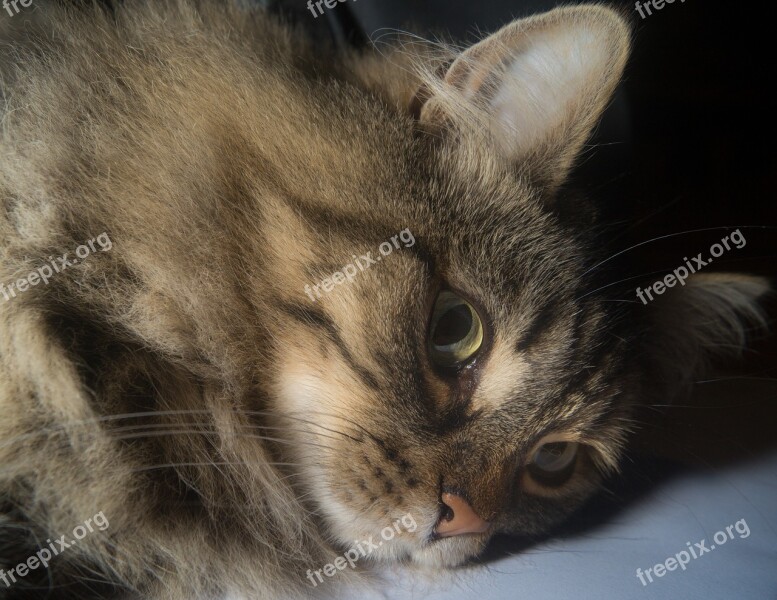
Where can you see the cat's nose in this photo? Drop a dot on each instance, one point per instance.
(458, 517)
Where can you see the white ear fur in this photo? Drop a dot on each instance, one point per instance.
(545, 85)
(537, 85)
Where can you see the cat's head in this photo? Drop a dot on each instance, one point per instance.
(449, 356)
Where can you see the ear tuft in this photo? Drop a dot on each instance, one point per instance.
(709, 318)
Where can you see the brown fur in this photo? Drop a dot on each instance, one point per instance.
(232, 164)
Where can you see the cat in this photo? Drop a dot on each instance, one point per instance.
(238, 433)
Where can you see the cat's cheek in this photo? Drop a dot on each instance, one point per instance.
(312, 392)
(298, 389)
(303, 391)
(313, 386)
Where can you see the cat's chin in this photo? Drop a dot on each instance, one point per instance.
(448, 553)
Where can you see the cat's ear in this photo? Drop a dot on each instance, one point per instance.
(538, 86)
(707, 318)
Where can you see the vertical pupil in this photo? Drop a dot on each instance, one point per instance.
(453, 326)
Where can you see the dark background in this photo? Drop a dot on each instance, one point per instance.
(685, 146)
(699, 88)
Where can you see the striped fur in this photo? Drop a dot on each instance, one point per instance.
(234, 432)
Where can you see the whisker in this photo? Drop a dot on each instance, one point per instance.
(201, 432)
(621, 281)
(350, 421)
(669, 235)
(62, 428)
(213, 464)
(214, 430)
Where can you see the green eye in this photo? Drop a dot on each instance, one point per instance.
(456, 332)
(554, 463)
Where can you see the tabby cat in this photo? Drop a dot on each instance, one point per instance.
(323, 291)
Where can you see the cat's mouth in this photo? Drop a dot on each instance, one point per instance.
(422, 536)
(449, 552)
(432, 546)
(458, 534)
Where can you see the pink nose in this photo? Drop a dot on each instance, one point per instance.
(460, 518)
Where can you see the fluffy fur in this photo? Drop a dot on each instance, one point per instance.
(235, 433)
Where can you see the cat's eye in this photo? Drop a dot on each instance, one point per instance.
(554, 463)
(456, 332)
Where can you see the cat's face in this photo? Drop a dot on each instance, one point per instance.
(466, 377)
(466, 363)
(445, 351)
